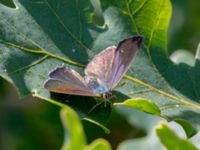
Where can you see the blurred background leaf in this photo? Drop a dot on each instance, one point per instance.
(99, 144)
(171, 136)
(184, 32)
(171, 140)
(28, 123)
(74, 133)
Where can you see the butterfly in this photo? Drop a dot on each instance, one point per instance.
(102, 73)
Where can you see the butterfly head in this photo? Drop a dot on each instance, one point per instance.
(96, 85)
(108, 95)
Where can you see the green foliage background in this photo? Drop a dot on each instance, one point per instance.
(31, 123)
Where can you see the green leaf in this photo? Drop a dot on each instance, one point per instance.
(183, 56)
(141, 104)
(139, 119)
(149, 142)
(74, 133)
(99, 144)
(75, 137)
(40, 35)
(161, 137)
(171, 140)
(8, 3)
(189, 130)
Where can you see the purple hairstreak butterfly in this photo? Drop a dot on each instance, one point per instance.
(102, 73)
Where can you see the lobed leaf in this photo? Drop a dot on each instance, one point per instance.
(38, 36)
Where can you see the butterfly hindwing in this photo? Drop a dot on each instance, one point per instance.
(68, 81)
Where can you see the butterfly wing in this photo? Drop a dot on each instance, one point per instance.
(124, 54)
(67, 81)
(100, 66)
(110, 65)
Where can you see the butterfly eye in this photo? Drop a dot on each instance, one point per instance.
(107, 95)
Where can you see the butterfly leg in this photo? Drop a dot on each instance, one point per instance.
(95, 106)
(108, 103)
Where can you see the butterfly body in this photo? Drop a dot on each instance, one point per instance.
(96, 85)
(102, 74)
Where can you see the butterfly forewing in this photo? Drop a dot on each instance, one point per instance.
(124, 54)
(68, 81)
(110, 65)
(101, 65)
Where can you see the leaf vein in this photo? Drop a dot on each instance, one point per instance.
(131, 17)
(28, 66)
(22, 34)
(139, 8)
(79, 17)
(156, 22)
(65, 27)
